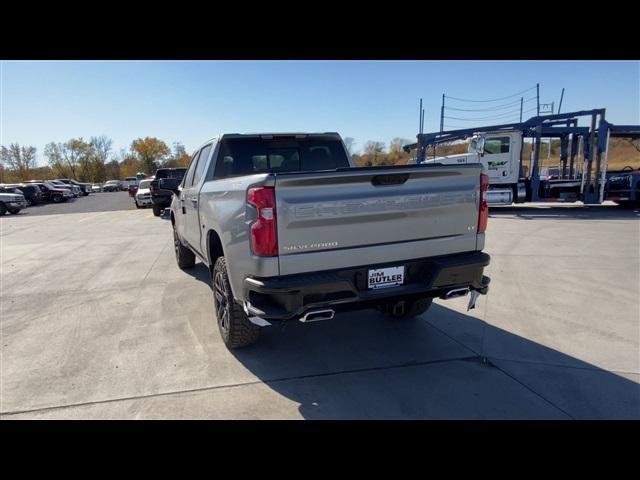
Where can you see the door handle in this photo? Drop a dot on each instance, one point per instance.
(194, 200)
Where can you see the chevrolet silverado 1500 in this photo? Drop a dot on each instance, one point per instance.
(290, 229)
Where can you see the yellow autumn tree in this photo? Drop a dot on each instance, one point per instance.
(150, 152)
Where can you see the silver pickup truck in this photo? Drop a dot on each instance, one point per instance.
(290, 229)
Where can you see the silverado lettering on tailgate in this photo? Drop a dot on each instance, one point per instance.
(398, 203)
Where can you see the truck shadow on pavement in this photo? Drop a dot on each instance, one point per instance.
(563, 212)
(444, 365)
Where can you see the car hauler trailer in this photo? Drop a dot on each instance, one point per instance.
(583, 156)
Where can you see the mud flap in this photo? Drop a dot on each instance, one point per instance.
(472, 299)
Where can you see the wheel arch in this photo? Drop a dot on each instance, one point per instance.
(214, 247)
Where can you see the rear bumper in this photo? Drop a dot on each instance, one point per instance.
(285, 297)
(17, 205)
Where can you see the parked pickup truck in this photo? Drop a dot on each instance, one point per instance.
(11, 200)
(160, 197)
(290, 229)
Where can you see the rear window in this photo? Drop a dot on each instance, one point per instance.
(246, 156)
(178, 173)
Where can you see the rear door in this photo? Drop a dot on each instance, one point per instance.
(365, 216)
(189, 197)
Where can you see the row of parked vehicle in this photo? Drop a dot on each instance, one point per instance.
(17, 196)
(149, 192)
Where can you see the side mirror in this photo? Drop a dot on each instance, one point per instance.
(480, 146)
(169, 184)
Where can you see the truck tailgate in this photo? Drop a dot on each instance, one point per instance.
(365, 216)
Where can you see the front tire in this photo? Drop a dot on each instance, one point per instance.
(184, 257)
(14, 211)
(56, 198)
(3, 209)
(156, 210)
(234, 325)
(136, 202)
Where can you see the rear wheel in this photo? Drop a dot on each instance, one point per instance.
(56, 198)
(234, 325)
(156, 210)
(14, 211)
(406, 309)
(3, 209)
(185, 257)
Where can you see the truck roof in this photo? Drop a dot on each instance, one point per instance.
(279, 134)
(268, 134)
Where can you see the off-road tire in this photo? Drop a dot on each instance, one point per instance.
(413, 308)
(156, 210)
(184, 257)
(234, 325)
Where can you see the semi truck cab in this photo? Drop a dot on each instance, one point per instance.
(499, 153)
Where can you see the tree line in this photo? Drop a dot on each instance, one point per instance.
(94, 160)
(375, 153)
(91, 160)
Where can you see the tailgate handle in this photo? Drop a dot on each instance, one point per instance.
(392, 179)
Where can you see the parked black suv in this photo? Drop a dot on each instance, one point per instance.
(162, 198)
(32, 193)
(52, 194)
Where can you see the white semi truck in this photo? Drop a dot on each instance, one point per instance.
(499, 153)
(582, 172)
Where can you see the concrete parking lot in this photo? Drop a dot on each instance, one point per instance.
(98, 322)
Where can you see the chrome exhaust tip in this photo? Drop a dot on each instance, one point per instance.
(456, 292)
(317, 315)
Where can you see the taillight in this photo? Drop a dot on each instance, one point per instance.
(264, 233)
(483, 214)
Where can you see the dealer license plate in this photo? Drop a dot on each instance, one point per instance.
(386, 277)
